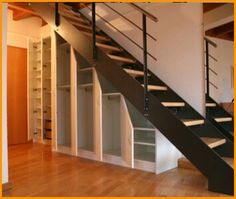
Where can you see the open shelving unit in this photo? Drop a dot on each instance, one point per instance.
(85, 110)
(116, 127)
(63, 101)
(94, 121)
(144, 141)
(47, 89)
(35, 91)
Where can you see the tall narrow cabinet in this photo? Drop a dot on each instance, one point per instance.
(39, 88)
(35, 110)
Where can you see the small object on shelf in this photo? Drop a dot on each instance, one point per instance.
(48, 124)
(48, 133)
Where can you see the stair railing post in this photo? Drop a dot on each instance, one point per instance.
(57, 15)
(207, 67)
(145, 69)
(94, 31)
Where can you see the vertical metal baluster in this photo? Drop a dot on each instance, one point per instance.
(145, 65)
(57, 15)
(207, 67)
(94, 30)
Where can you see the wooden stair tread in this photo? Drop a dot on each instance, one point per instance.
(98, 37)
(229, 161)
(109, 47)
(210, 104)
(156, 88)
(71, 17)
(69, 11)
(173, 104)
(80, 25)
(134, 73)
(213, 142)
(121, 59)
(189, 122)
(223, 119)
(65, 6)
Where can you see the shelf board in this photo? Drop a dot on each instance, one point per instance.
(147, 142)
(115, 152)
(64, 86)
(65, 44)
(87, 148)
(87, 69)
(144, 129)
(146, 156)
(89, 85)
(112, 94)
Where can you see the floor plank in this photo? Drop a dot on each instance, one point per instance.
(36, 171)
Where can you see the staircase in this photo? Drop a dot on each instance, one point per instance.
(202, 143)
(220, 118)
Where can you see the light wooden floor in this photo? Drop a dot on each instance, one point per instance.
(36, 171)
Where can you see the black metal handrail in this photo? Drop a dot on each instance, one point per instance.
(144, 12)
(134, 42)
(208, 69)
(210, 42)
(131, 22)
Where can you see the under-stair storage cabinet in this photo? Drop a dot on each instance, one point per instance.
(151, 150)
(63, 96)
(35, 122)
(144, 141)
(88, 113)
(116, 128)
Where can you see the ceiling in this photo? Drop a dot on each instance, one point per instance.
(211, 6)
(22, 11)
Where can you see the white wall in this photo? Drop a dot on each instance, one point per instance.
(18, 32)
(179, 46)
(4, 95)
(224, 53)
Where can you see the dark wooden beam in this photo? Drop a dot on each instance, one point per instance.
(22, 8)
(225, 31)
(23, 11)
(18, 15)
(211, 6)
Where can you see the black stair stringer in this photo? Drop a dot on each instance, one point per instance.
(220, 175)
(221, 112)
